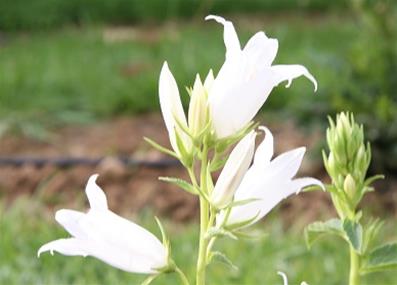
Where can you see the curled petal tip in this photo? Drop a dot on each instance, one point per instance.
(284, 276)
(93, 177)
(219, 19)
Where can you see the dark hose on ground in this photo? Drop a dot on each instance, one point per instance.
(64, 162)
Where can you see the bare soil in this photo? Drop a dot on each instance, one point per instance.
(130, 189)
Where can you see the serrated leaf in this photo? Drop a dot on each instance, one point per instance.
(354, 234)
(180, 183)
(381, 258)
(222, 258)
(318, 229)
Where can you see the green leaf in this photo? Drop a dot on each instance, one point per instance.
(318, 229)
(354, 234)
(222, 258)
(180, 183)
(380, 259)
(370, 233)
(160, 148)
(219, 232)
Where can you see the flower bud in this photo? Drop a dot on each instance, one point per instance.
(198, 108)
(349, 185)
(234, 171)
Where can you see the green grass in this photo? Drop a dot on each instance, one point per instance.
(28, 224)
(73, 75)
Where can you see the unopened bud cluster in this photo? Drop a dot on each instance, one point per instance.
(348, 159)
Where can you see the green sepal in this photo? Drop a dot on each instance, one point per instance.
(224, 143)
(186, 157)
(160, 148)
(222, 258)
(242, 202)
(381, 258)
(241, 224)
(218, 164)
(318, 229)
(354, 234)
(180, 183)
(372, 179)
(251, 235)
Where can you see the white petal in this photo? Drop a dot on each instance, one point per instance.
(70, 220)
(264, 152)
(230, 37)
(284, 276)
(108, 228)
(289, 72)
(261, 49)
(65, 246)
(234, 170)
(170, 102)
(209, 80)
(233, 94)
(303, 182)
(95, 195)
(286, 164)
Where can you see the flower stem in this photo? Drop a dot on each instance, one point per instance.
(203, 244)
(354, 278)
(182, 276)
(204, 222)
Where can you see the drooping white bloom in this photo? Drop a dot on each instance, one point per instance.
(232, 174)
(285, 279)
(246, 79)
(267, 182)
(108, 237)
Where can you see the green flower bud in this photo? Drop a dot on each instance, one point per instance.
(198, 108)
(350, 187)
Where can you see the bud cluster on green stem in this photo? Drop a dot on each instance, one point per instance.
(347, 163)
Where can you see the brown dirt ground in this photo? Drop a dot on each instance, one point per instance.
(132, 189)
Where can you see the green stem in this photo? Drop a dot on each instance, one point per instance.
(204, 223)
(182, 276)
(354, 278)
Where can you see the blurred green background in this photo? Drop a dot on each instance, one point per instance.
(77, 62)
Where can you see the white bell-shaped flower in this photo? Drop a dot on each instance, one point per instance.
(266, 183)
(246, 79)
(108, 237)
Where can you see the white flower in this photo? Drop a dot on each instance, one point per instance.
(285, 279)
(267, 182)
(108, 237)
(232, 174)
(246, 79)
